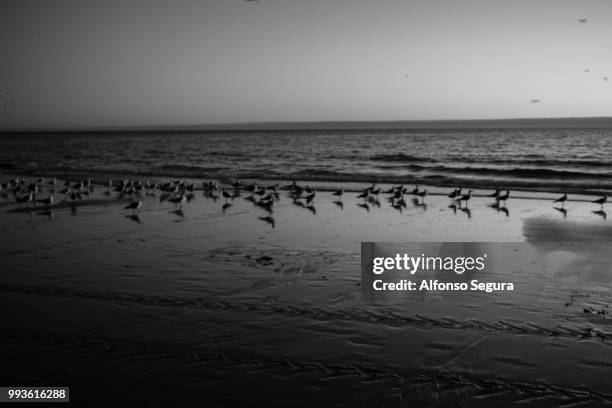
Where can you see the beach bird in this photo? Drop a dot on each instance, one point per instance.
(310, 197)
(47, 201)
(504, 197)
(25, 198)
(496, 193)
(415, 191)
(422, 194)
(582, 20)
(227, 195)
(179, 201)
(364, 194)
(134, 205)
(561, 199)
(535, 100)
(264, 204)
(465, 197)
(605, 79)
(453, 194)
(339, 193)
(601, 201)
(397, 195)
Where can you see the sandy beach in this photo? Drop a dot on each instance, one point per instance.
(156, 306)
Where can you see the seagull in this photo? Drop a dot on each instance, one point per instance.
(47, 201)
(227, 195)
(310, 197)
(561, 199)
(587, 70)
(605, 78)
(465, 197)
(365, 194)
(455, 193)
(134, 205)
(535, 100)
(601, 201)
(415, 191)
(496, 193)
(422, 194)
(339, 193)
(504, 197)
(580, 20)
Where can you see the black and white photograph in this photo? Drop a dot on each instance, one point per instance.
(322, 203)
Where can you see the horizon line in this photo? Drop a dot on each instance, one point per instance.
(538, 122)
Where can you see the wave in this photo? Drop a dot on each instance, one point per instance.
(401, 157)
(518, 172)
(533, 159)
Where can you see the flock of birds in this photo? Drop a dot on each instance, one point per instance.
(179, 192)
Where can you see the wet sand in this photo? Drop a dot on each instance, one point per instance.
(151, 307)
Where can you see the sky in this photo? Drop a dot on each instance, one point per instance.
(118, 63)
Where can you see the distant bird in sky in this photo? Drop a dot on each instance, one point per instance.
(582, 20)
(535, 100)
(587, 70)
(407, 76)
(605, 79)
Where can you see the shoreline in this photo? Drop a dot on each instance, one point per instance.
(435, 189)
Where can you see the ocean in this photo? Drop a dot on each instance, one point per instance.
(572, 160)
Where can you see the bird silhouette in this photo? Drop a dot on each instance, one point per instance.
(134, 205)
(561, 200)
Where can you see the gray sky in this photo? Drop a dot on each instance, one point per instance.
(120, 63)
